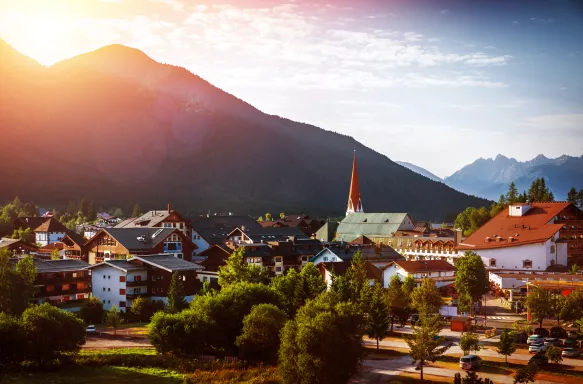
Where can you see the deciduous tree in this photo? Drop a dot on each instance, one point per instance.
(526, 374)
(506, 345)
(538, 302)
(237, 271)
(471, 278)
(426, 298)
(113, 318)
(16, 283)
(92, 311)
(554, 354)
(469, 342)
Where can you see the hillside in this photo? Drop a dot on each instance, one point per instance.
(419, 170)
(489, 178)
(115, 126)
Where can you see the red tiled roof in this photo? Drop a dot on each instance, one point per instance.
(425, 266)
(51, 247)
(504, 230)
(51, 225)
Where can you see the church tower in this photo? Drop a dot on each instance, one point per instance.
(354, 201)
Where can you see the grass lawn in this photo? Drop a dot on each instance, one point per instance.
(96, 375)
(118, 351)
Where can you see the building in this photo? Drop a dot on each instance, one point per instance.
(327, 270)
(31, 222)
(65, 283)
(571, 218)
(46, 251)
(169, 218)
(18, 247)
(327, 232)
(523, 237)
(119, 282)
(215, 257)
(429, 245)
(49, 231)
(378, 227)
(306, 224)
(212, 230)
(123, 243)
(440, 271)
(74, 247)
(338, 252)
(244, 235)
(105, 219)
(354, 199)
(90, 230)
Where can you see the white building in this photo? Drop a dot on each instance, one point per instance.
(200, 241)
(118, 282)
(442, 272)
(50, 231)
(521, 238)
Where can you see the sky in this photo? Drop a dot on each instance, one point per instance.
(436, 83)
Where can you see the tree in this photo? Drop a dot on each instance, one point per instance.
(397, 301)
(83, 207)
(554, 354)
(506, 344)
(113, 318)
(512, 194)
(469, 342)
(136, 211)
(539, 303)
(425, 343)
(260, 219)
(259, 340)
(356, 276)
(573, 196)
(282, 215)
(92, 311)
(471, 219)
(92, 212)
(144, 308)
(426, 298)
(572, 306)
(378, 319)
(526, 374)
(575, 269)
(296, 288)
(237, 271)
(13, 342)
(539, 191)
(323, 344)
(471, 278)
(185, 333)
(16, 283)
(71, 209)
(55, 254)
(268, 217)
(25, 235)
(176, 301)
(470, 378)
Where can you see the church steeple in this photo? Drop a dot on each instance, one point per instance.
(354, 201)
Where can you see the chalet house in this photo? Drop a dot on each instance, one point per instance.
(442, 272)
(378, 227)
(105, 219)
(122, 243)
(74, 247)
(327, 270)
(90, 230)
(524, 237)
(46, 251)
(571, 232)
(432, 245)
(210, 230)
(159, 219)
(338, 252)
(306, 224)
(119, 282)
(64, 283)
(245, 235)
(50, 231)
(214, 257)
(31, 222)
(18, 247)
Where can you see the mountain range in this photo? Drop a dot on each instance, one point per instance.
(119, 128)
(489, 178)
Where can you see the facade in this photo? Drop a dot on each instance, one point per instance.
(215, 257)
(338, 252)
(327, 232)
(74, 247)
(18, 247)
(62, 283)
(354, 199)
(245, 235)
(159, 219)
(119, 282)
(209, 230)
(571, 219)
(123, 243)
(378, 227)
(523, 237)
(442, 272)
(327, 270)
(427, 246)
(306, 224)
(50, 231)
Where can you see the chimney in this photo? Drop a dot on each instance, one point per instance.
(458, 237)
(168, 208)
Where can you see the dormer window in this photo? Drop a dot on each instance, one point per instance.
(492, 262)
(526, 263)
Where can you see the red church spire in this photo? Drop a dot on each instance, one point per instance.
(354, 201)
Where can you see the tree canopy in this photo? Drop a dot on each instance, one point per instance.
(471, 279)
(16, 283)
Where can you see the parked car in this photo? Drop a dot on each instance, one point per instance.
(573, 335)
(553, 341)
(536, 348)
(542, 331)
(558, 332)
(470, 362)
(413, 319)
(539, 358)
(571, 343)
(570, 352)
(535, 339)
(91, 329)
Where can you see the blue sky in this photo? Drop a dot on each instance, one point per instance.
(435, 83)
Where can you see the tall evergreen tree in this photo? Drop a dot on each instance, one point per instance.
(397, 301)
(92, 212)
(84, 207)
(378, 319)
(539, 191)
(176, 301)
(512, 194)
(137, 211)
(72, 209)
(573, 196)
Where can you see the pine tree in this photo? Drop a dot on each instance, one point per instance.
(83, 207)
(71, 209)
(92, 212)
(176, 301)
(378, 319)
(512, 194)
(573, 196)
(136, 211)
(426, 298)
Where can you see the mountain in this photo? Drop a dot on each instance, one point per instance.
(419, 170)
(117, 127)
(489, 178)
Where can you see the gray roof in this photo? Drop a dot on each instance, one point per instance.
(5, 242)
(128, 237)
(257, 235)
(215, 228)
(369, 224)
(327, 232)
(119, 264)
(45, 266)
(168, 263)
(148, 219)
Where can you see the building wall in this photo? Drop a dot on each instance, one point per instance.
(442, 278)
(200, 242)
(107, 285)
(45, 238)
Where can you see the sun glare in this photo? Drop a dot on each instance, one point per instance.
(46, 35)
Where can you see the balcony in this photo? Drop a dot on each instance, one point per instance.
(59, 292)
(45, 280)
(132, 296)
(135, 283)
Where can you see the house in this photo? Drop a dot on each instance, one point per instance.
(327, 270)
(159, 219)
(430, 245)
(306, 224)
(214, 257)
(209, 230)
(442, 272)
(50, 231)
(211, 276)
(378, 227)
(119, 282)
(245, 235)
(105, 219)
(31, 222)
(122, 243)
(523, 237)
(74, 247)
(337, 252)
(90, 230)
(65, 283)
(18, 247)
(46, 251)
(327, 232)
(571, 218)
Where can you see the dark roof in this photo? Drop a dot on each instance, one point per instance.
(260, 234)
(120, 264)
(51, 225)
(75, 237)
(328, 231)
(168, 263)
(46, 266)
(215, 228)
(128, 237)
(362, 240)
(425, 266)
(340, 268)
(256, 250)
(216, 247)
(31, 222)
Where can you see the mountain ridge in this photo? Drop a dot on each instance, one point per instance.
(155, 133)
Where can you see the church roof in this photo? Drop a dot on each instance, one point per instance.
(354, 199)
(370, 225)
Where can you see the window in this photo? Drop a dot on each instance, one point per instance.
(122, 279)
(74, 275)
(552, 249)
(122, 304)
(492, 262)
(122, 291)
(325, 258)
(304, 258)
(50, 288)
(154, 277)
(104, 276)
(204, 278)
(277, 269)
(103, 289)
(108, 302)
(527, 264)
(278, 259)
(108, 289)
(65, 287)
(109, 276)
(137, 291)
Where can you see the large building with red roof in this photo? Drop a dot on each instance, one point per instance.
(523, 237)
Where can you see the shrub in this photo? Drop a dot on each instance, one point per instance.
(259, 341)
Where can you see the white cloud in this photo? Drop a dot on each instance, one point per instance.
(554, 123)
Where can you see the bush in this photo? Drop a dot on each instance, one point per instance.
(92, 311)
(259, 341)
(12, 341)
